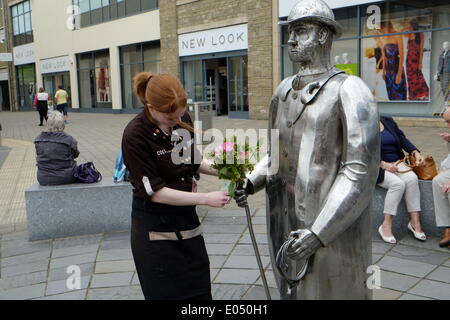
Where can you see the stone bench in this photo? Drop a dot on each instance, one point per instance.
(399, 226)
(77, 209)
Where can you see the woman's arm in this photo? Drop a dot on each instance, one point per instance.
(421, 45)
(401, 58)
(181, 198)
(205, 168)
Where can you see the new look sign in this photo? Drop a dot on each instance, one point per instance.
(215, 40)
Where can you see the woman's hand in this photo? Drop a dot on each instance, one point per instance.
(217, 199)
(420, 161)
(398, 78)
(446, 188)
(445, 136)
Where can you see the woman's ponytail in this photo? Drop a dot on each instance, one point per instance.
(140, 83)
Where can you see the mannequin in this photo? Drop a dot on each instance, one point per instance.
(337, 60)
(443, 74)
(345, 58)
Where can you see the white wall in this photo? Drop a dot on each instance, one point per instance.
(53, 38)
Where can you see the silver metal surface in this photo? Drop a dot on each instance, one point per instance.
(328, 152)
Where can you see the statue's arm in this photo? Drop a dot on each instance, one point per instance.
(353, 188)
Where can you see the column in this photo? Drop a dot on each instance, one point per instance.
(116, 85)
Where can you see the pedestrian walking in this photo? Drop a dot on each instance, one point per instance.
(41, 103)
(61, 97)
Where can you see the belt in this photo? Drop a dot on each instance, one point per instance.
(179, 235)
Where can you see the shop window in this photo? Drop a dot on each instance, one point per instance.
(134, 59)
(94, 79)
(344, 55)
(26, 85)
(21, 22)
(348, 19)
(98, 11)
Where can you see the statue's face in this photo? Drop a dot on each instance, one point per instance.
(303, 41)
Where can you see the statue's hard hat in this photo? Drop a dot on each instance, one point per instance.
(315, 11)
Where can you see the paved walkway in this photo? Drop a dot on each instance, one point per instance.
(37, 270)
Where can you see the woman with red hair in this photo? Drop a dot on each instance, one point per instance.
(166, 239)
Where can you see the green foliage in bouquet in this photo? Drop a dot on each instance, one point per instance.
(233, 162)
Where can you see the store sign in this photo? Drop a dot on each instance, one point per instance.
(215, 40)
(24, 54)
(59, 64)
(285, 6)
(4, 75)
(6, 57)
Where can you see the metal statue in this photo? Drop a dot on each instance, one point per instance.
(319, 200)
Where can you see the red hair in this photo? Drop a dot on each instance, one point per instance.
(164, 92)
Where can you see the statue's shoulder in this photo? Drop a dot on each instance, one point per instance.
(284, 88)
(356, 88)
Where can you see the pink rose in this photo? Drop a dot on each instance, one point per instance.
(243, 155)
(228, 146)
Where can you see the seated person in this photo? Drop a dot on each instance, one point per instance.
(441, 191)
(398, 179)
(55, 153)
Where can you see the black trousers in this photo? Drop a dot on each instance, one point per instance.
(42, 113)
(169, 269)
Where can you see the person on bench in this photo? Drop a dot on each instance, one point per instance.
(398, 179)
(441, 191)
(56, 152)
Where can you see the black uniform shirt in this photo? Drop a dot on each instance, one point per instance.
(147, 153)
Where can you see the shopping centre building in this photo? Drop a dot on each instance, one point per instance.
(231, 52)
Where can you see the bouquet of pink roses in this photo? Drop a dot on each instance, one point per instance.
(233, 162)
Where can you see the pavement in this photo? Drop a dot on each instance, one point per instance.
(38, 270)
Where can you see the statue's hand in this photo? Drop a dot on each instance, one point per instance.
(305, 244)
(240, 194)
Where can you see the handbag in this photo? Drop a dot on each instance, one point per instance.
(425, 172)
(87, 173)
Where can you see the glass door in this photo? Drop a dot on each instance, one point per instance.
(238, 87)
(193, 79)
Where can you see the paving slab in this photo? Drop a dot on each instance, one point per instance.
(419, 254)
(115, 254)
(228, 291)
(440, 274)
(432, 243)
(85, 240)
(408, 296)
(237, 276)
(245, 262)
(386, 294)
(210, 228)
(259, 293)
(116, 244)
(115, 266)
(116, 293)
(447, 263)
(120, 235)
(23, 293)
(25, 258)
(116, 279)
(217, 261)
(407, 267)
(24, 268)
(397, 282)
(219, 249)
(73, 260)
(73, 251)
(61, 273)
(225, 220)
(379, 247)
(135, 280)
(23, 280)
(432, 289)
(260, 239)
(270, 277)
(61, 286)
(221, 238)
(247, 250)
(24, 249)
(73, 295)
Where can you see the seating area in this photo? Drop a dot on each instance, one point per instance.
(77, 209)
(400, 222)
